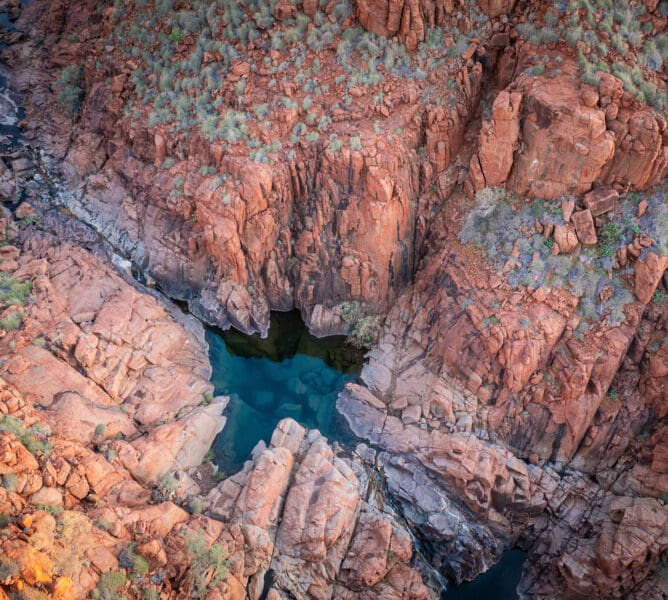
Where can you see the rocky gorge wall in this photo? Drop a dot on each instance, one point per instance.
(98, 410)
(310, 231)
(510, 228)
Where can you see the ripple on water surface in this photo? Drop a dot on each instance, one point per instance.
(288, 374)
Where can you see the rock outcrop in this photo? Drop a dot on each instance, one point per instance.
(317, 522)
(328, 223)
(549, 136)
(103, 360)
(103, 418)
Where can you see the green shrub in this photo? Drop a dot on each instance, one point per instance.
(109, 586)
(168, 482)
(611, 233)
(32, 438)
(14, 292)
(12, 321)
(324, 123)
(209, 566)
(196, 506)
(335, 145)
(365, 328)
(151, 594)
(70, 89)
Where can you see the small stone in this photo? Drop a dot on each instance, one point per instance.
(464, 424)
(24, 210)
(411, 414)
(21, 164)
(611, 111)
(643, 205)
(622, 257)
(565, 237)
(567, 208)
(584, 227)
(49, 496)
(499, 40)
(589, 96)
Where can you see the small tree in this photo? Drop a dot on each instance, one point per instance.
(70, 89)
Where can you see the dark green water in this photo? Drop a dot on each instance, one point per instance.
(499, 583)
(289, 374)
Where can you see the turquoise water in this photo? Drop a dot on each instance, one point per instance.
(289, 374)
(499, 583)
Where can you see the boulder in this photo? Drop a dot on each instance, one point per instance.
(601, 200)
(584, 227)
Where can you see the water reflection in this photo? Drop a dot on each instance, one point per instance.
(289, 374)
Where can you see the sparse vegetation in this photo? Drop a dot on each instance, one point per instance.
(365, 328)
(138, 565)
(12, 321)
(503, 228)
(33, 438)
(8, 568)
(14, 292)
(174, 85)
(209, 565)
(110, 585)
(70, 89)
(195, 506)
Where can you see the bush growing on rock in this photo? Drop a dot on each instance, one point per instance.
(12, 321)
(138, 564)
(365, 328)
(14, 292)
(33, 438)
(70, 89)
(110, 585)
(209, 566)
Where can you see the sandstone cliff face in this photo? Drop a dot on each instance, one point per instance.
(549, 136)
(324, 225)
(411, 19)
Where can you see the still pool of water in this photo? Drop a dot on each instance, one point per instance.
(288, 374)
(498, 583)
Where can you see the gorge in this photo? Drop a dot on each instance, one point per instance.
(470, 196)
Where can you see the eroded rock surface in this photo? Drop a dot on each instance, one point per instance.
(325, 530)
(92, 464)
